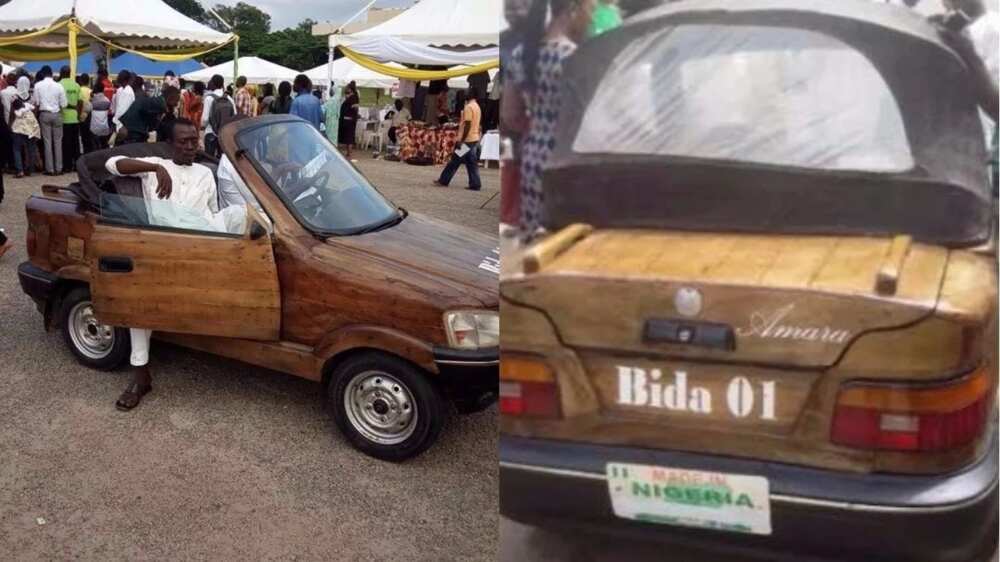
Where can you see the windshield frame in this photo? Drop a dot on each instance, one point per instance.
(399, 212)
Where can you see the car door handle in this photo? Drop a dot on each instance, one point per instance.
(115, 264)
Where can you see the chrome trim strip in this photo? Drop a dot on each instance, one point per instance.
(781, 498)
(467, 363)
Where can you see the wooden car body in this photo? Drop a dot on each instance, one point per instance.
(280, 297)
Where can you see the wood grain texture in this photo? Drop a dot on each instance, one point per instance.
(587, 309)
(187, 283)
(288, 301)
(280, 356)
(548, 248)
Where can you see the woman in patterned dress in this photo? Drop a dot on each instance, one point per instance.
(536, 67)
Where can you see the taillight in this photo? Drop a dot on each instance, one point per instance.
(926, 417)
(528, 388)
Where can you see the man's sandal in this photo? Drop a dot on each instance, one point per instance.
(132, 395)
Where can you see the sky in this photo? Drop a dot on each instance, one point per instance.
(288, 13)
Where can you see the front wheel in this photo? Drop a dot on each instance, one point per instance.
(385, 406)
(93, 344)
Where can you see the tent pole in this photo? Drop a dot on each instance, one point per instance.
(107, 60)
(236, 62)
(329, 71)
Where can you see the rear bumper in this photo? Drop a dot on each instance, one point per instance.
(470, 378)
(815, 514)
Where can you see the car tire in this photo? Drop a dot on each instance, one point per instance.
(386, 406)
(93, 344)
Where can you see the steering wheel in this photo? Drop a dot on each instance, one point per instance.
(313, 201)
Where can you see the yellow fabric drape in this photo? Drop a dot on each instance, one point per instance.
(12, 47)
(16, 39)
(72, 49)
(162, 56)
(30, 53)
(413, 74)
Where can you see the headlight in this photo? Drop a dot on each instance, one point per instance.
(472, 329)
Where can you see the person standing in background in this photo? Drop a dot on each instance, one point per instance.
(71, 120)
(467, 147)
(267, 90)
(513, 115)
(7, 95)
(331, 114)
(305, 105)
(283, 103)
(100, 120)
(536, 66)
(215, 92)
(195, 104)
(50, 99)
(243, 99)
(146, 116)
(254, 101)
(123, 99)
(25, 129)
(86, 97)
(348, 119)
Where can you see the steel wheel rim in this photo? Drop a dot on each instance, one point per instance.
(91, 338)
(380, 407)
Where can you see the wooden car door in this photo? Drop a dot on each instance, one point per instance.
(192, 282)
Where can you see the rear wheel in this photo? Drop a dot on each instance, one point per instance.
(385, 406)
(94, 344)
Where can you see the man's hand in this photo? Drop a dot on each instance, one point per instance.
(164, 185)
(122, 133)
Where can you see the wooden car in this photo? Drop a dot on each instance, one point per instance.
(765, 317)
(393, 313)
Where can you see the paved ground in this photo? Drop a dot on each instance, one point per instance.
(223, 460)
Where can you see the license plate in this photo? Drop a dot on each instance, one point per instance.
(690, 498)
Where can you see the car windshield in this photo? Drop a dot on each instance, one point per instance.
(321, 188)
(786, 97)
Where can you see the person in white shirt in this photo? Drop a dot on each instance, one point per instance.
(123, 99)
(8, 94)
(177, 193)
(50, 99)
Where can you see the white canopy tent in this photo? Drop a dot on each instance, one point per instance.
(428, 32)
(257, 71)
(131, 23)
(345, 70)
(58, 29)
(451, 23)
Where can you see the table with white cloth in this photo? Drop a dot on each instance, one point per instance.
(490, 146)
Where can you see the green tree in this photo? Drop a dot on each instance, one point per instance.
(250, 23)
(244, 18)
(190, 8)
(295, 47)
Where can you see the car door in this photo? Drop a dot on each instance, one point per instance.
(186, 280)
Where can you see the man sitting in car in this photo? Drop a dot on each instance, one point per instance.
(178, 193)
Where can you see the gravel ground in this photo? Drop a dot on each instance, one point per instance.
(223, 460)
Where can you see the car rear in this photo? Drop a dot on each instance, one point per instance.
(823, 395)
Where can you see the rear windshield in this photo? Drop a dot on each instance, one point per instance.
(767, 95)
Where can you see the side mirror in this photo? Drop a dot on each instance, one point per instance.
(257, 231)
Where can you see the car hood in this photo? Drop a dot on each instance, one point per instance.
(460, 259)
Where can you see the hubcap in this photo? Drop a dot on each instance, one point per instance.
(90, 337)
(380, 407)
